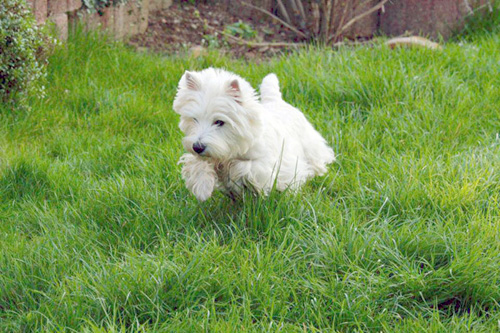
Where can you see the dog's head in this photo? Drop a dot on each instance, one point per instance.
(220, 114)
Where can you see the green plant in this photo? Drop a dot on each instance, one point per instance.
(241, 29)
(23, 52)
(211, 41)
(98, 5)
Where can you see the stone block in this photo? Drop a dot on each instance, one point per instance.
(107, 19)
(90, 21)
(131, 12)
(40, 10)
(142, 19)
(130, 18)
(72, 5)
(155, 5)
(61, 23)
(55, 7)
(118, 22)
(121, 21)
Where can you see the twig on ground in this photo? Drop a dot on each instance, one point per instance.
(353, 43)
(238, 40)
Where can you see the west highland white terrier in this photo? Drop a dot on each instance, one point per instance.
(236, 142)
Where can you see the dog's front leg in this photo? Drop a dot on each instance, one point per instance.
(256, 175)
(244, 174)
(199, 175)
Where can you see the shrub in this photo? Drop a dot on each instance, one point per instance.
(323, 21)
(23, 52)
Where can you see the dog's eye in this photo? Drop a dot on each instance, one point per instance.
(219, 123)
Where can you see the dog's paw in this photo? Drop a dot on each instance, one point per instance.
(203, 188)
(199, 175)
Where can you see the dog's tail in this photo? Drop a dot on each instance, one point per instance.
(270, 88)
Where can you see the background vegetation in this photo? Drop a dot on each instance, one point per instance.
(98, 231)
(24, 48)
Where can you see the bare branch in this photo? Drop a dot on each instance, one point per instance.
(298, 17)
(360, 16)
(315, 18)
(331, 14)
(300, 14)
(298, 32)
(341, 22)
(301, 9)
(284, 12)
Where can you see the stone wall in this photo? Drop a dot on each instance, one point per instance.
(122, 21)
(55, 11)
(418, 17)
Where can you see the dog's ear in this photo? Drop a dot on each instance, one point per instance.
(192, 81)
(234, 90)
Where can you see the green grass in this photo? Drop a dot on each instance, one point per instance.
(98, 232)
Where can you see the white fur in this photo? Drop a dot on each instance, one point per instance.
(261, 144)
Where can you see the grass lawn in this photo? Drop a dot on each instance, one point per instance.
(98, 232)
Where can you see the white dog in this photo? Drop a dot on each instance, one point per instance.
(234, 141)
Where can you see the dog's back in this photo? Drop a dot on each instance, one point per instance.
(303, 140)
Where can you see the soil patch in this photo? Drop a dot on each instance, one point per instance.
(185, 28)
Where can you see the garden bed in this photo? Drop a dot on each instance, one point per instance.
(185, 29)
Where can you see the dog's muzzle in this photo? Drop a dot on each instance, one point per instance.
(199, 147)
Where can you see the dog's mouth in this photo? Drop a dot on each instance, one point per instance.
(203, 155)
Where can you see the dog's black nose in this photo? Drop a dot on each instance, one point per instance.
(199, 147)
